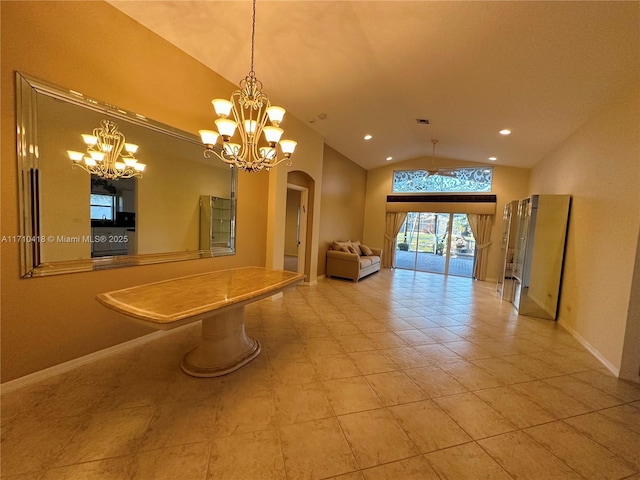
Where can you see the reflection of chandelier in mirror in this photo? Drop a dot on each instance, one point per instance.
(251, 110)
(105, 156)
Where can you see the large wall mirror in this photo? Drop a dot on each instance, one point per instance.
(182, 208)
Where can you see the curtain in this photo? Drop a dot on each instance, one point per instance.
(481, 228)
(394, 221)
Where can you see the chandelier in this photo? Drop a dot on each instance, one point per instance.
(105, 156)
(248, 111)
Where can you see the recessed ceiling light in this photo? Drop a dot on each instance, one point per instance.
(368, 137)
(493, 159)
(389, 159)
(505, 131)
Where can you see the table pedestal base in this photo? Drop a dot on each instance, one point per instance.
(224, 348)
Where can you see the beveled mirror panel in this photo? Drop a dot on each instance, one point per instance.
(73, 221)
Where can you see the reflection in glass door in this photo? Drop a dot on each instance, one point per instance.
(437, 243)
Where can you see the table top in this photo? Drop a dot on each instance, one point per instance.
(186, 297)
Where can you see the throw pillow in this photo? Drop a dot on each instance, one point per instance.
(366, 250)
(353, 249)
(340, 246)
(357, 246)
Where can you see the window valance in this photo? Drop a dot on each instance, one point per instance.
(483, 204)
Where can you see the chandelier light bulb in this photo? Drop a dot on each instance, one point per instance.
(89, 139)
(209, 137)
(226, 128)
(276, 114)
(131, 148)
(250, 126)
(288, 146)
(90, 161)
(75, 156)
(272, 135)
(222, 107)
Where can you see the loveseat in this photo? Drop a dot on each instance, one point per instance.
(352, 260)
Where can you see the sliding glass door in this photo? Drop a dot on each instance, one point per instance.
(437, 243)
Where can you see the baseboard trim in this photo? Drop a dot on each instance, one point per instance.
(40, 375)
(594, 351)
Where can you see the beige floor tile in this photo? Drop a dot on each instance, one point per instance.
(375, 438)
(316, 449)
(184, 462)
(244, 412)
(515, 407)
(585, 393)
(406, 357)
(428, 426)
(559, 404)
(437, 353)
(356, 343)
(288, 371)
(534, 367)
(107, 434)
(471, 376)
(602, 379)
(475, 417)
(372, 362)
(627, 415)
(415, 337)
(394, 388)
(120, 468)
(435, 382)
(585, 456)
(179, 423)
(469, 350)
(414, 468)
(466, 462)
(252, 456)
(350, 395)
(341, 329)
(301, 403)
(371, 326)
(350, 476)
(31, 445)
(524, 458)
(385, 340)
(322, 346)
(504, 371)
(619, 439)
(329, 367)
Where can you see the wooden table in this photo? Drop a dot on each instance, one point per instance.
(216, 298)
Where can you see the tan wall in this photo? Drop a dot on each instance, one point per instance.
(508, 184)
(598, 166)
(342, 206)
(46, 321)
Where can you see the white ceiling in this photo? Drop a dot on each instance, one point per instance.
(374, 67)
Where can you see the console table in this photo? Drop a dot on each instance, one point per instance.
(218, 299)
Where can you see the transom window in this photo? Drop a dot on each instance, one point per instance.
(466, 179)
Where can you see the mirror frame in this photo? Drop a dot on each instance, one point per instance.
(27, 90)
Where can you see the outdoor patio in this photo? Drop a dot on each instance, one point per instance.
(461, 266)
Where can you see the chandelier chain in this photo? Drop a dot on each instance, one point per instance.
(253, 38)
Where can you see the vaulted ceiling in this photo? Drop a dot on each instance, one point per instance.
(472, 68)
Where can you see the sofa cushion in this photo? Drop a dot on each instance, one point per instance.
(365, 262)
(366, 250)
(341, 246)
(374, 259)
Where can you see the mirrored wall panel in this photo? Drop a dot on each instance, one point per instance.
(87, 203)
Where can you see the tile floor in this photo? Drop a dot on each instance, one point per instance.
(401, 376)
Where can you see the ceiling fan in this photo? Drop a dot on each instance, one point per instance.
(443, 172)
